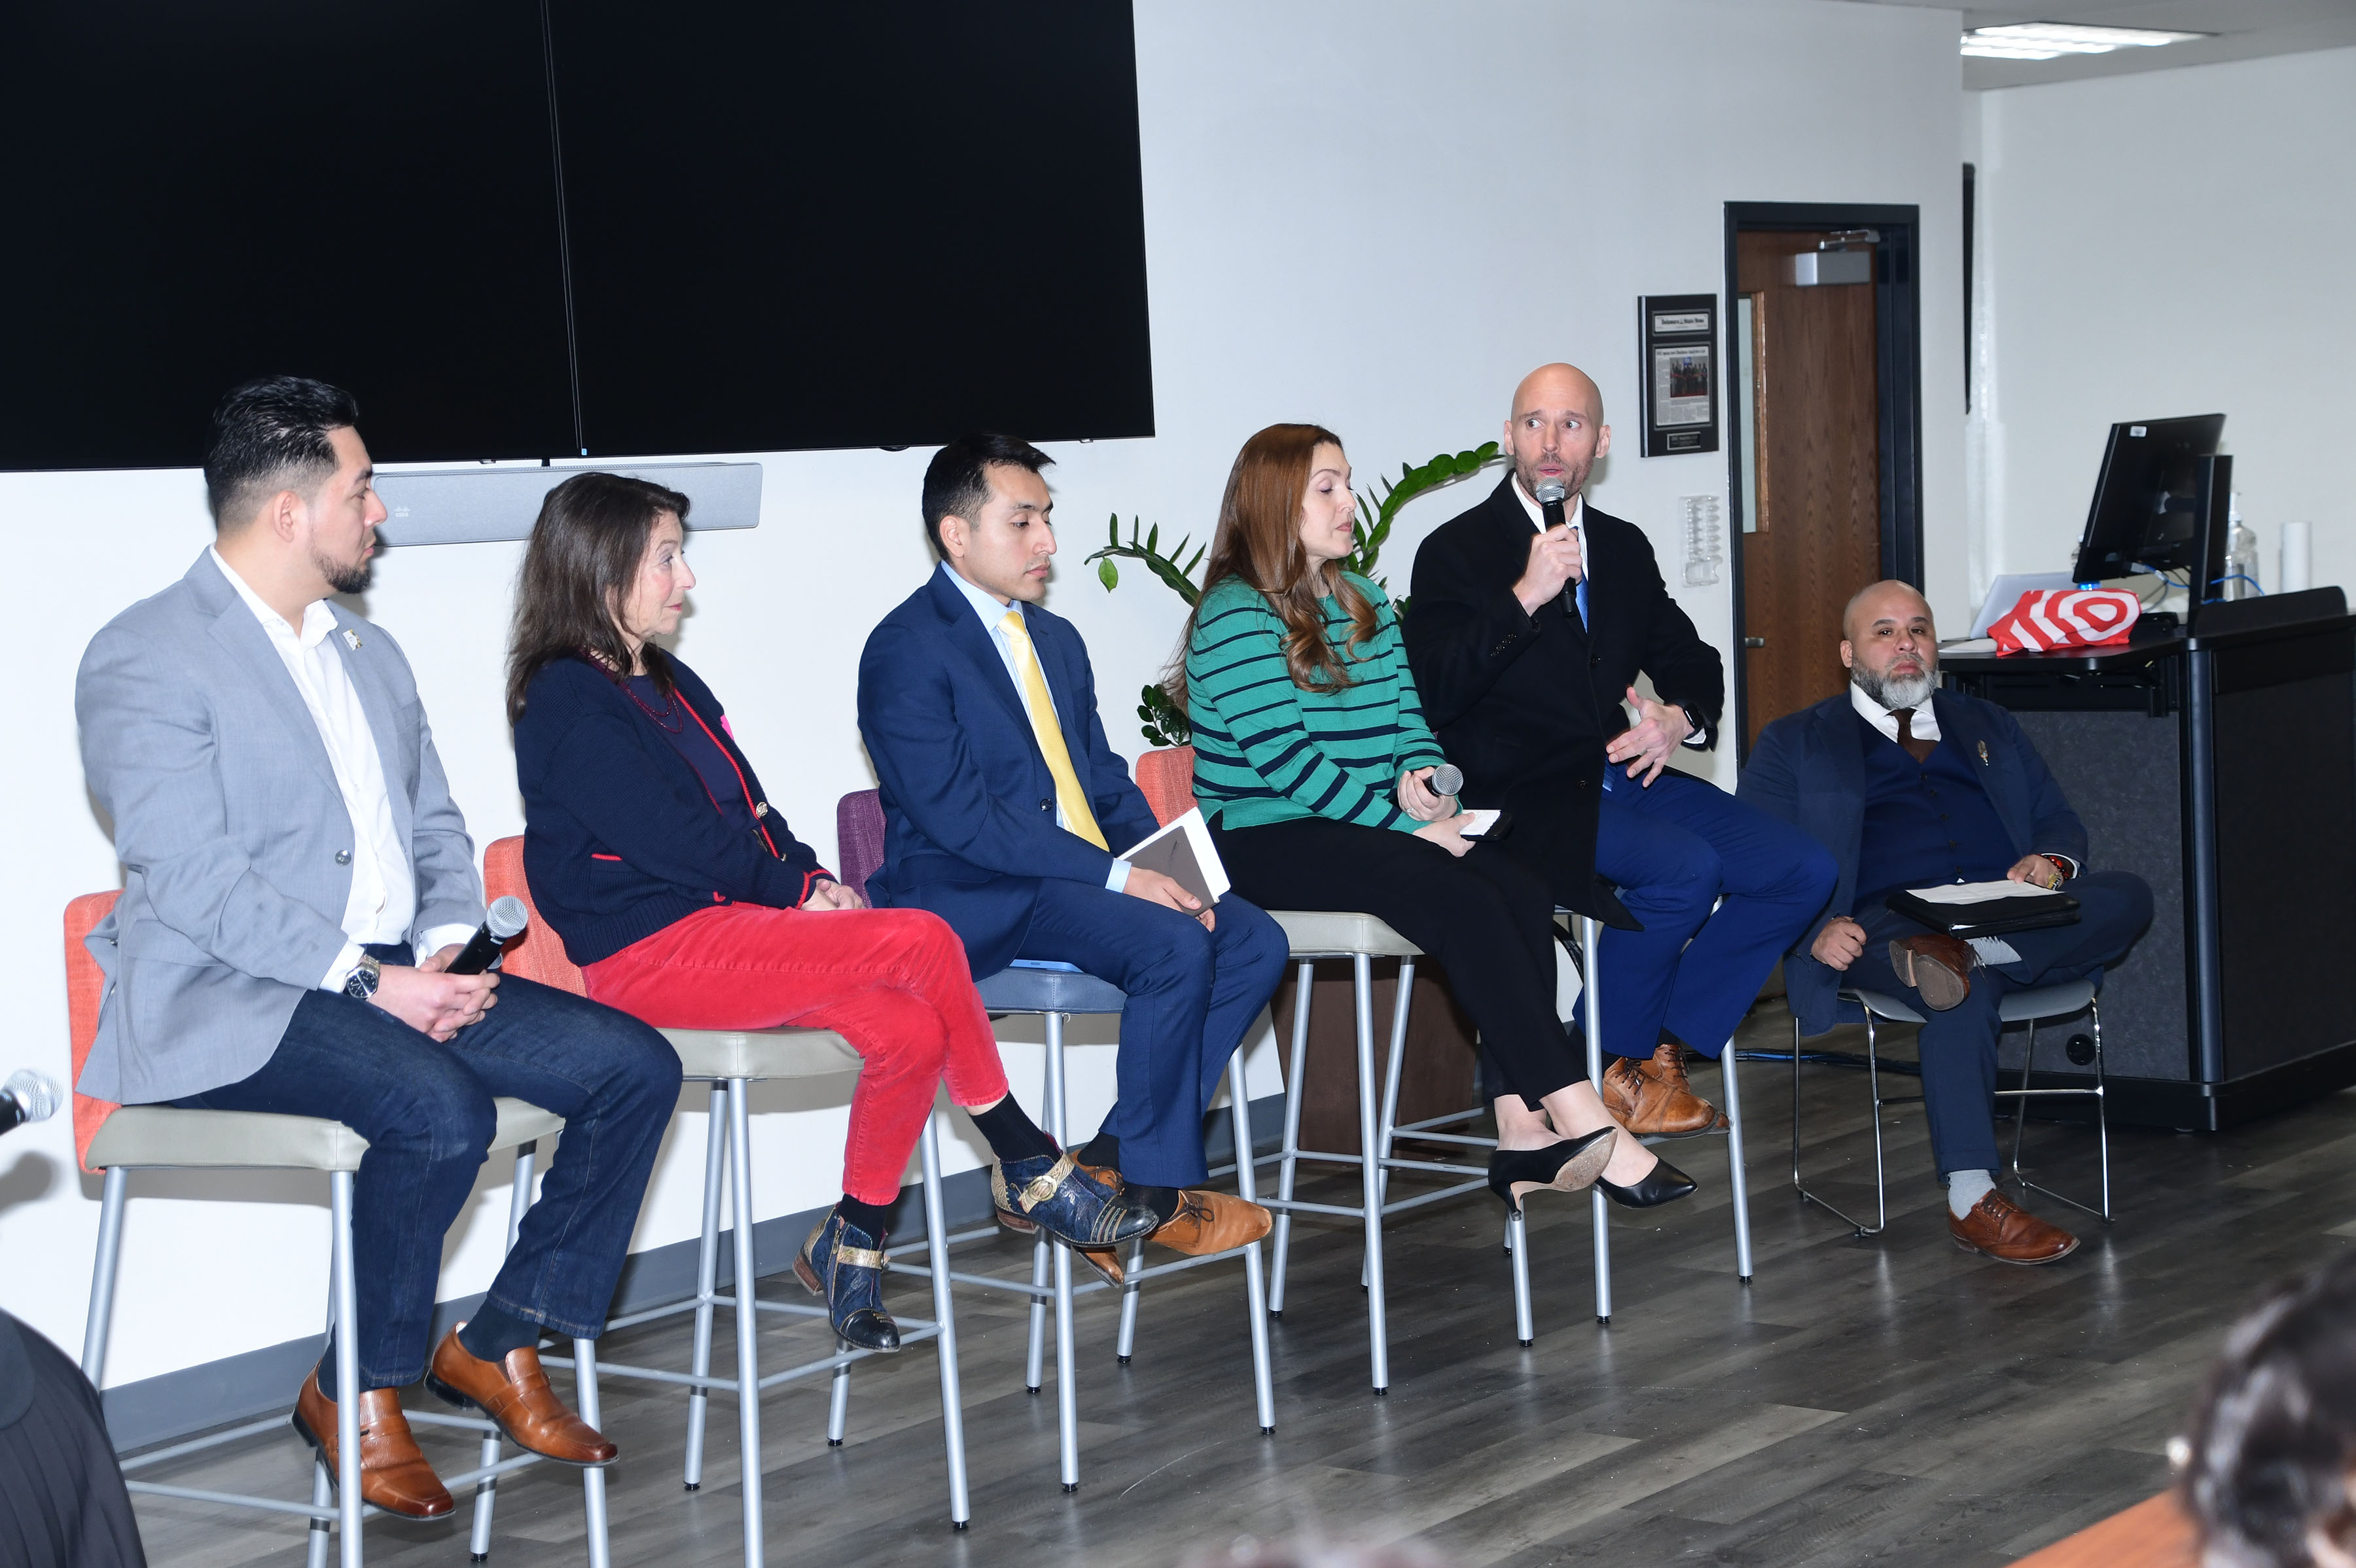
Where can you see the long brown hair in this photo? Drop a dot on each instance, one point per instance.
(586, 547)
(1258, 540)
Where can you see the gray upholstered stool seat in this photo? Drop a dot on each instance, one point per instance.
(1050, 990)
(2059, 1000)
(158, 1136)
(761, 1053)
(1340, 933)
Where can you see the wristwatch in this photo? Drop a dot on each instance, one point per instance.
(361, 983)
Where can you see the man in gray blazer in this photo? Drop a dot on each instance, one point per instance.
(297, 881)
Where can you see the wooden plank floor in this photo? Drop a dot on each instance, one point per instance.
(1892, 1400)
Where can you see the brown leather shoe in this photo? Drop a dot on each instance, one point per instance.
(1653, 1098)
(1209, 1221)
(515, 1393)
(1997, 1229)
(394, 1476)
(1938, 966)
(1105, 1260)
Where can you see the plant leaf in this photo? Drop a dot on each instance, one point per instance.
(1108, 574)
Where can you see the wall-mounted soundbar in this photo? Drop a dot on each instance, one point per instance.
(475, 506)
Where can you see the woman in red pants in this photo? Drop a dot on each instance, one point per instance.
(652, 852)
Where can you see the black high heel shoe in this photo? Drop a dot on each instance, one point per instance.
(1662, 1184)
(1570, 1164)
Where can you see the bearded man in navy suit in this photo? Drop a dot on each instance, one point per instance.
(1001, 805)
(1909, 787)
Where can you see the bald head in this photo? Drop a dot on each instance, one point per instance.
(1888, 599)
(1556, 429)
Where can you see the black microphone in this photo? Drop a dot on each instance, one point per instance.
(27, 1096)
(1550, 494)
(507, 917)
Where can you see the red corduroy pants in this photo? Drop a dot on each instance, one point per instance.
(894, 983)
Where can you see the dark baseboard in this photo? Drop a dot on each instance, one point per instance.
(243, 1387)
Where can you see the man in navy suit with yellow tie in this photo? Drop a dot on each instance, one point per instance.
(1002, 803)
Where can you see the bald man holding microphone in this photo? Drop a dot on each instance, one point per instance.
(1532, 615)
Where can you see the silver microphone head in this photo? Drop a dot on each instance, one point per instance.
(34, 1091)
(1551, 491)
(507, 917)
(1447, 780)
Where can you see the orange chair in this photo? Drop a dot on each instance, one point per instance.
(119, 1138)
(731, 1060)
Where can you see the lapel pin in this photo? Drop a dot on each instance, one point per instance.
(352, 641)
(1984, 757)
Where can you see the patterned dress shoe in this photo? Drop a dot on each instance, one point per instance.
(844, 1264)
(1059, 1197)
(1654, 1100)
(1209, 1221)
(514, 1391)
(1938, 966)
(394, 1476)
(1994, 1229)
(1105, 1260)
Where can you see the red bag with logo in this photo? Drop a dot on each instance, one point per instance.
(2066, 618)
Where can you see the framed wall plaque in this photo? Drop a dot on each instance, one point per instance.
(1679, 372)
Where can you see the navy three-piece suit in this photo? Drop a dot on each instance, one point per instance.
(1984, 799)
(972, 835)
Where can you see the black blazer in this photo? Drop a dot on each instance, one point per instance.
(1520, 699)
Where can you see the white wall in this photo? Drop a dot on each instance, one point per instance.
(2178, 242)
(1372, 215)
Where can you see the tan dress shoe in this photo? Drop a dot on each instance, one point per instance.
(1209, 1221)
(394, 1476)
(1996, 1229)
(1938, 966)
(1654, 1100)
(515, 1393)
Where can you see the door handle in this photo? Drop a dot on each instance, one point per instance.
(1754, 642)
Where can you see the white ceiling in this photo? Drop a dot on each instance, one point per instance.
(2244, 28)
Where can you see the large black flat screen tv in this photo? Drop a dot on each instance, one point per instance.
(527, 230)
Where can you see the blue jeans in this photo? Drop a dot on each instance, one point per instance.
(1192, 994)
(426, 1110)
(1674, 850)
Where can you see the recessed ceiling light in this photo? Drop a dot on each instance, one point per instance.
(2046, 40)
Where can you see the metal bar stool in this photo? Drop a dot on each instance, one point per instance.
(2029, 1006)
(160, 1137)
(1058, 993)
(731, 1060)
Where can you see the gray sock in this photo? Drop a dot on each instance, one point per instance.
(1966, 1188)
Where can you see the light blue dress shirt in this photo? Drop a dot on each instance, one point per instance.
(992, 612)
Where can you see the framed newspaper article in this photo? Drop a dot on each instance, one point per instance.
(1679, 372)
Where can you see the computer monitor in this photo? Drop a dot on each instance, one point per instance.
(2151, 503)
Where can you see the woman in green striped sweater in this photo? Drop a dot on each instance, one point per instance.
(1314, 764)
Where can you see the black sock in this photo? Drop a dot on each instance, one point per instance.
(493, 1331)
(1103, 1151)
(1162, 1201)
(872, 1217)
(1013, 1134)
(327, 1368)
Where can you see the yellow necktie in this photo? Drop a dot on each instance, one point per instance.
(1050, 736)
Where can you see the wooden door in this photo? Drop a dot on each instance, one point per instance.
(1812, 522)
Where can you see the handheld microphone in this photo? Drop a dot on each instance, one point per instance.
(1447, 780)
(506, 918)
(27, 1096)
(1550, 494)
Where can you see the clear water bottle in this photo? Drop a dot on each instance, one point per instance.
(1703, 551)
(2240, 554)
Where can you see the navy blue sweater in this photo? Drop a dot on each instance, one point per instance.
(621, 838)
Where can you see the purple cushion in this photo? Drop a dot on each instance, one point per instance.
(859, 835)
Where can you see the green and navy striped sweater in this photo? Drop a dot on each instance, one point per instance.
(1269, 751)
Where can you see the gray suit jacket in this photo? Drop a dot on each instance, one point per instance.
(230, 826)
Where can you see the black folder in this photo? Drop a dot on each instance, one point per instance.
(1990, 917)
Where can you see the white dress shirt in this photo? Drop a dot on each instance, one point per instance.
(1576, 518)
(992, 612)
(383, 903)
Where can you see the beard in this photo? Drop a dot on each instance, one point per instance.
(1896, 692)
(346, 577)
(1574, 478)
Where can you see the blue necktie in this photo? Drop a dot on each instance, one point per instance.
(1579, 597)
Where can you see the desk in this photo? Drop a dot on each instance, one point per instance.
(2221, 769)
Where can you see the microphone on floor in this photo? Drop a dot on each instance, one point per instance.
(27, 1096)
(506, 918)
